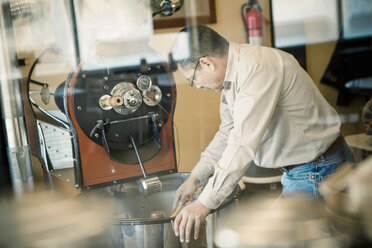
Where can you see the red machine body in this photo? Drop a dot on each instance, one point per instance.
(113, 141)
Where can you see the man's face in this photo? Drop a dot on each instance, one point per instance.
(209, 73)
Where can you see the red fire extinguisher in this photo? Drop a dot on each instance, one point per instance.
(252, 19)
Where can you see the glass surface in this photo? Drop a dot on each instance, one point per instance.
(93, 83)
(357, 18)
(78, 63)
(82, 60)
(304, 22)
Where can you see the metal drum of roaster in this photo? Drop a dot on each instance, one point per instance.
(145, 221)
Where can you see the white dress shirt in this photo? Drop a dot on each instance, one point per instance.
(271, 113)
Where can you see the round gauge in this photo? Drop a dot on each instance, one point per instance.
(132, 99)
(130, 96)
(144, 82)
(152, 96)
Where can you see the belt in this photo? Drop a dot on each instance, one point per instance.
(332, 148)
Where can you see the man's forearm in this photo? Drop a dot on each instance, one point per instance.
(194, 179)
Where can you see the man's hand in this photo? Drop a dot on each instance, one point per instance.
(186, 192)
(191, 215)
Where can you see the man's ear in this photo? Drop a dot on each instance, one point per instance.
(208, 63)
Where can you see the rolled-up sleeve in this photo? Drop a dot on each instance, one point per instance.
(256, 100)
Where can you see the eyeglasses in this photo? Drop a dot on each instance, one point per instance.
(192, 81)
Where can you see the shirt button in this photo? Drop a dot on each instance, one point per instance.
(312, 177)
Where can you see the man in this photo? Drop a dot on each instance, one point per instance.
(271, 113)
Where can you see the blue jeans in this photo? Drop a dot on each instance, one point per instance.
(306, 178)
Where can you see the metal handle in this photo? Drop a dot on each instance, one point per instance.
(138, 156)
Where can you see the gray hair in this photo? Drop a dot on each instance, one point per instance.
(196, 41)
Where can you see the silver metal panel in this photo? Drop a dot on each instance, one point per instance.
(12, 109)
(58, 145)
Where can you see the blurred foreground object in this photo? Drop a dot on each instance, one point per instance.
(47, 219)
(268, 221)
(344, 220)
(367, 117)
(348, 195)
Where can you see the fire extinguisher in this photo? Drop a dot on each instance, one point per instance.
(252, 19)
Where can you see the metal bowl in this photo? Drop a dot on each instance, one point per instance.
(144, 221)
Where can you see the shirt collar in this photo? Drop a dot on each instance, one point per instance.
(232, 62)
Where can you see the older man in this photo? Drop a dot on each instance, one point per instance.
(271, 113)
